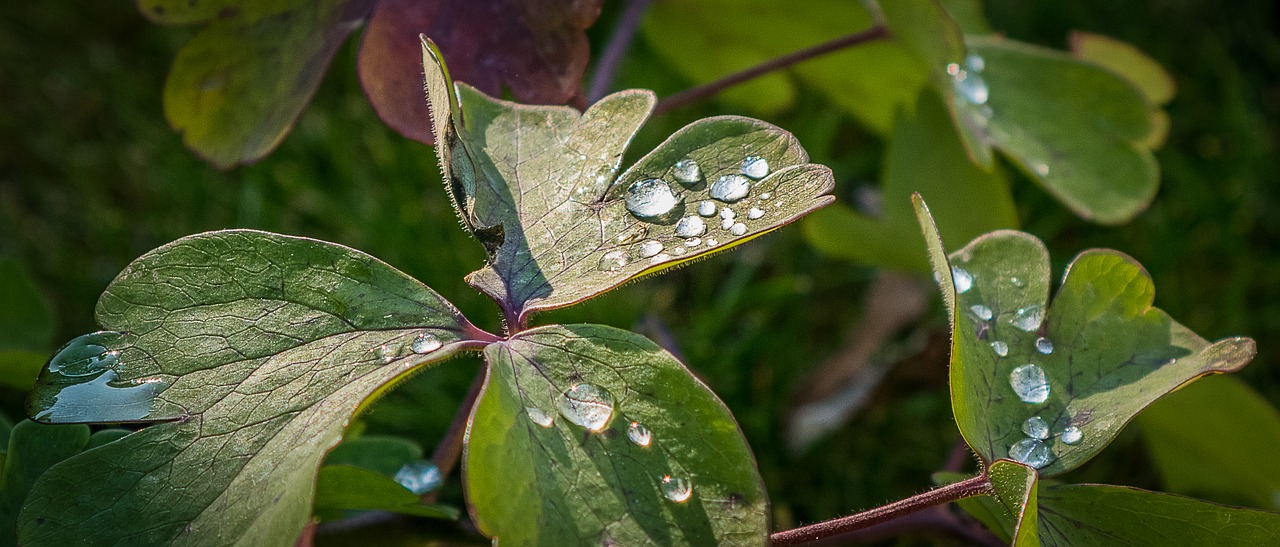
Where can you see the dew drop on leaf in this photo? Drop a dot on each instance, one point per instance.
(694, 242)
(727, 213)
(1072, 435)
(1031, 452)
(984, 313)
(650, 248)
(613, 261)
(419, 476)
(650, 198)
(1029, 383)
(85, 355)
(676, 489)
(726, 223)
(691, 226)
(639, 434)
(707, 208)
(738, 229)
(425, 343)
(755, 167)
(539, 417)
(962, 279)
(1036, 428)
(587, 405)
(687, 171)
(1017, 282)
(730, 188)
(1044, 345)
(754, 213)
(1001, 348)
(1028, 318)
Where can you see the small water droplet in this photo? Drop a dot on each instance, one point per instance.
(727, 213)
(691, 226)
(1044, 345)
(975, 62)
(754, 213)
(86, 355)
(755, 167)
(387, 354)
(539, 417)
(1028, 318)
(726, 223)
(765, 196)
(712, 242)
(969, 85)
(660, 258)
(677, 251)
(613, 261)
(632, 234)
(730, 188)
(962, 279)
(1072, 435)
(419, 477)
(1036, 428)
(676, 489)
(1001, 348)
(1017, 281)
(587, 405)
(1041, 168)
(738, 229)
(650, 248)
(1031, 452)
(650, 198)
(984, 313)
(1029, 383)
(707, 208)
(639, 434)
(694, 242)
(687, 171)
(425, 343)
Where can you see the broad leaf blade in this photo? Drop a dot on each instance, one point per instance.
(32, 449)
(1095, 514)
(539, 186)
(1103, 352)
(255, 349)
(542, 470)
(340, 487)
(1147, 75)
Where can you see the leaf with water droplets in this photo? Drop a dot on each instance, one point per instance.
(634, 449)
(1112, 353)
(247, 352)
(539, 187)
(32, 449)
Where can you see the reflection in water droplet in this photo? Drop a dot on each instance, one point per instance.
(639, 434)
(755, 167)
(694, 242)
(738, 229)
(676, 489)
(984, 313)
(86, 355)
(1031, 452)
(730, 188)
(691, 226)
(1001, 348)
(1028, 318)
(1072, 435)
(962, 279)
(649, 198)
(1044, 345)
(425, 343)
(707, 208)
(1029, 383)
(587, 405)
(754, 213)
(419, 477)
(687, 171)
(613, 261)
(539, 417)
(1036, 428)
(632, 234)
(650, 248)
(101, 399)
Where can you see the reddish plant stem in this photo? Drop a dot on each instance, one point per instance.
(698, 93)
(975, 486)
(449, 450)
(623, 34)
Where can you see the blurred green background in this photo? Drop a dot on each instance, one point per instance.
(91, 177)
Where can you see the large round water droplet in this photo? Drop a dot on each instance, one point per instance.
(1001, 348)
(539, 417)
(650, 248)
(687, 171)
(1044, 345)
(1028, 318)
(738, 229)
(1031, 452)
(632, 234)
(730, 188)
(1029, 383)
(755, 167)
(425, 343)
(419, 477)
(1072, 435)
(691, 226)
(587, 405)
(707, 208)
(613, 261)
(650, 198)
(962, 279)
(984, 313)
(639, 434)
(86, 355)
(1036, 428)
(676, 489)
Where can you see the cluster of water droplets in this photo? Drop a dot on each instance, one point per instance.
(419, 476)
(425, 342)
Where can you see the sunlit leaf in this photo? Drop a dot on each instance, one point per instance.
(593, 435)
(1155, 83)
(1015, 489)
(252, 350)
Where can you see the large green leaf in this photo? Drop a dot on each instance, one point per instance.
(539, 187)
(592, 435)
(1014, 486)
(1052, 384)
(925, 155)
(32, 449)
(253, 349)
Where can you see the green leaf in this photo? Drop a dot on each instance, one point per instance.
(552, 454)
(1197, 452)
(341, 487)
(26, 319)
(539, 187)
(1090, 360)
(925, 155)
(253, 349)
(379, 453)
(33, 448)
(1015, 488)
(1155, 83)
(927, 30)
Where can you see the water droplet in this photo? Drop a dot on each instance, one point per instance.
(1029, 383)
(632, 234)
(1044, 345)
(754, 213)
(962, 279)
(712, 242)
(691, 226)
(765, 196)
(738, 229)
(639, 434)
(677, 251)
(1072, 435)
(86, 355)
(425, 343)
(1001, 348)
(726, 223)
(419, 477)
(983, 312)
(100, 399)
(1041, 168)
(387, 354)
(1031, 452)
(707, 208)
(613, 261)
(660, 258)
(687, 171)
(1017, 281)
(650, 248)
(650, 198)
(694, 242)
(975, 62)
(755, 167)
(730, 188)
(969, 85)
(676, 489)
(1036, 428)
(727, 213)
(539, 417)
(1028, 318)
(587, 405)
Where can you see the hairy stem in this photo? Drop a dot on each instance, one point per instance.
(449, 450)
(623, 34)
(975, 486)
(698, 93)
